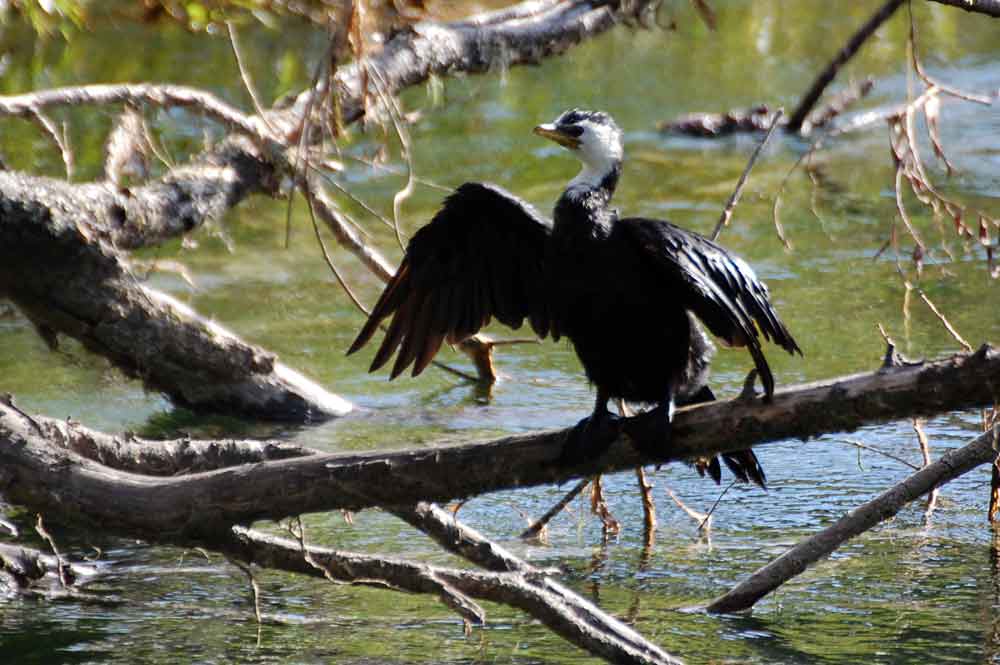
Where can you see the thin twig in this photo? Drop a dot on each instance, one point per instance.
(395, 115)
(543, 521)
(304, 186)
(64, 571)
(798, 117)
(944, 321)
(254, 587)
(863, 446)
(925, 452)
(58, 137)
(919, 69)
(704, 520)
(734, 198)
(245, 74)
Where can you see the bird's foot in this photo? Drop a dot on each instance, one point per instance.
(749, 392)
(590, 438)
(651, 431)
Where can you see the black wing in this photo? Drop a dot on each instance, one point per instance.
(718, 286)
(482, 256)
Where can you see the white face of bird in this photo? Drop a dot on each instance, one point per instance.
(590, 135)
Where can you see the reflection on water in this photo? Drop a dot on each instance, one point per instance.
(918, 589)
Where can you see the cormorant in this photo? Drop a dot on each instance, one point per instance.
(625, 291)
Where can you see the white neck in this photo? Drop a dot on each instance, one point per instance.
(589, 177)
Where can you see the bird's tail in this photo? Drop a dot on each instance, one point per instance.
(743, 463)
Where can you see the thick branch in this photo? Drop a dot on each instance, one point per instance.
(66, 486)
(795, 561)
(485, 43)
(184, 199)
(67, 282)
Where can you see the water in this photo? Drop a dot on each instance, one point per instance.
(918, 589)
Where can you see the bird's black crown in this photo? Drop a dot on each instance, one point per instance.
(575, 115)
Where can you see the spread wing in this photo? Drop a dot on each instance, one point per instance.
(482, 256)
(719, 287)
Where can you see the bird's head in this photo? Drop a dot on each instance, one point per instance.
(593, 136)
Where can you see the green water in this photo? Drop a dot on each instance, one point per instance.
(916, 590)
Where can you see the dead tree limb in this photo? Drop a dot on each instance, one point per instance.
(181, 201)
(67, 282)
(26, 571)
(522, 35)
(470, 544)
(461, 539)
(566, 614)
(68, 487)
(955, 463)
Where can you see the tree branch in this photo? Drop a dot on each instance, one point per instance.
(980, 451)
(68, 487)
(67, 282)
(798, 116)
(568, 615)
(524, 34)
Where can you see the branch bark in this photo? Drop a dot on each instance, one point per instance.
(524, 34)
(980, 451)
(52, 479)
(66, 281)
(561, 610)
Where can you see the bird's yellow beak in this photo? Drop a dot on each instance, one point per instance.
(550, 131)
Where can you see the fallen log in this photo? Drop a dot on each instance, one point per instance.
(39, 469)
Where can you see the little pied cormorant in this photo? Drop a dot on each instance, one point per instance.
(624, 291)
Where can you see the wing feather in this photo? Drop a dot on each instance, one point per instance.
(718, 286)
(481, 257)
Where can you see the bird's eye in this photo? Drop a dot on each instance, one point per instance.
(571, 130)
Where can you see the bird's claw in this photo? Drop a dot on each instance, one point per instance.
(651, 433)
(590, 438)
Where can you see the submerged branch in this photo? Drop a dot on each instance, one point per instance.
(561, 610)
(886, 505)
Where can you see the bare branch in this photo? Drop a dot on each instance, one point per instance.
(67, 282)
(886, 505)
(198, 505)
(540, 524)
(944, 321)
(734, 198)
(135, 94)
(562, 611)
